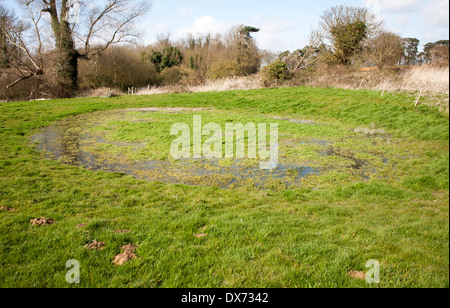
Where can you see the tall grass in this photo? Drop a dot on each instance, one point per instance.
(427, 79)
(420, 78)
(219, 85)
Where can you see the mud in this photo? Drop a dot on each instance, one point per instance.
(42, 221)
(127, 255)
(95, 245)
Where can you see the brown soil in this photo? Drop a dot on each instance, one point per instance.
(95, 245)
(128, 255)
(200, 235)
(42, 221)
(357, 275)
(122, 231)
(7, 209)
(169, 110)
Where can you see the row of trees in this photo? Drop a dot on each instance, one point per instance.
(433, 53)
(60, 46)
(354, 36)
(190, 61)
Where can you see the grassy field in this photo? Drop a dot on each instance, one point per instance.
(394, 209)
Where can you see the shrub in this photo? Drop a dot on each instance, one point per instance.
(118, 68)
(170, 76)
(276, 73)
(223, 69)
(170, 57)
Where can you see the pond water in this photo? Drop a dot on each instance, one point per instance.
(75, 141)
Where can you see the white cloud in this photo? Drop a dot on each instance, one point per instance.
(204, 24)
(185, 11)
(275, 32)
(150, 33)
(427, 20)
(437, 13)
(434, 12)
(274, 24)
(434, 36)
(393, 6)
(273, 41)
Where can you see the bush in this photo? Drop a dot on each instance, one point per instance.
(118, 68)
(170, 57)
(169, 76)
(223, 69)
(276, 73)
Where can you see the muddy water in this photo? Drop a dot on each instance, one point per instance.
(71, 141)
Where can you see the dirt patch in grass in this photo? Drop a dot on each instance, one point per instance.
(293, 120)
(95, 245)
(7, 209)
(168, 110)
(42, 221)
(122, 231)
(200, 235)
(357, 275)
(128, 254)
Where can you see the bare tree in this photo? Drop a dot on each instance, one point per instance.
(309, 54)
(18, 58)
(68, 30)
(384, 49)
(440, 55)
(268, 57)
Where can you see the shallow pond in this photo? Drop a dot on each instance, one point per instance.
(137, 142)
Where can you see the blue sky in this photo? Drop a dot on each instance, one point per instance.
(285, 24)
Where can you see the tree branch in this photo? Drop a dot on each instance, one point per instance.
(20, 80)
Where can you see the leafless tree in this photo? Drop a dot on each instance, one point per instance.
(15, 48)
(310, 54)
(66, 31)
(440, 56)
(268, 57)
(303, 58)
(242, 49)
(384, 49)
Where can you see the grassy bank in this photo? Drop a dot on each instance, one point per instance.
(309, 236)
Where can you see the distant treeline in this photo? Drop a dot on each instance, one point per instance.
(346, 37)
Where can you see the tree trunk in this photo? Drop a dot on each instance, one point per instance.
(66, 70)
(66, 56)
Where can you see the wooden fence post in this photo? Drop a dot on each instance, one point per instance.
(418, 99)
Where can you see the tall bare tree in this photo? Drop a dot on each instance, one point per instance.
(440, 55)
(66, 31)
(4, 57)
(17, 58)
(384, 49)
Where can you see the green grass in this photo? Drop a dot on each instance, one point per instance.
(306, 236)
